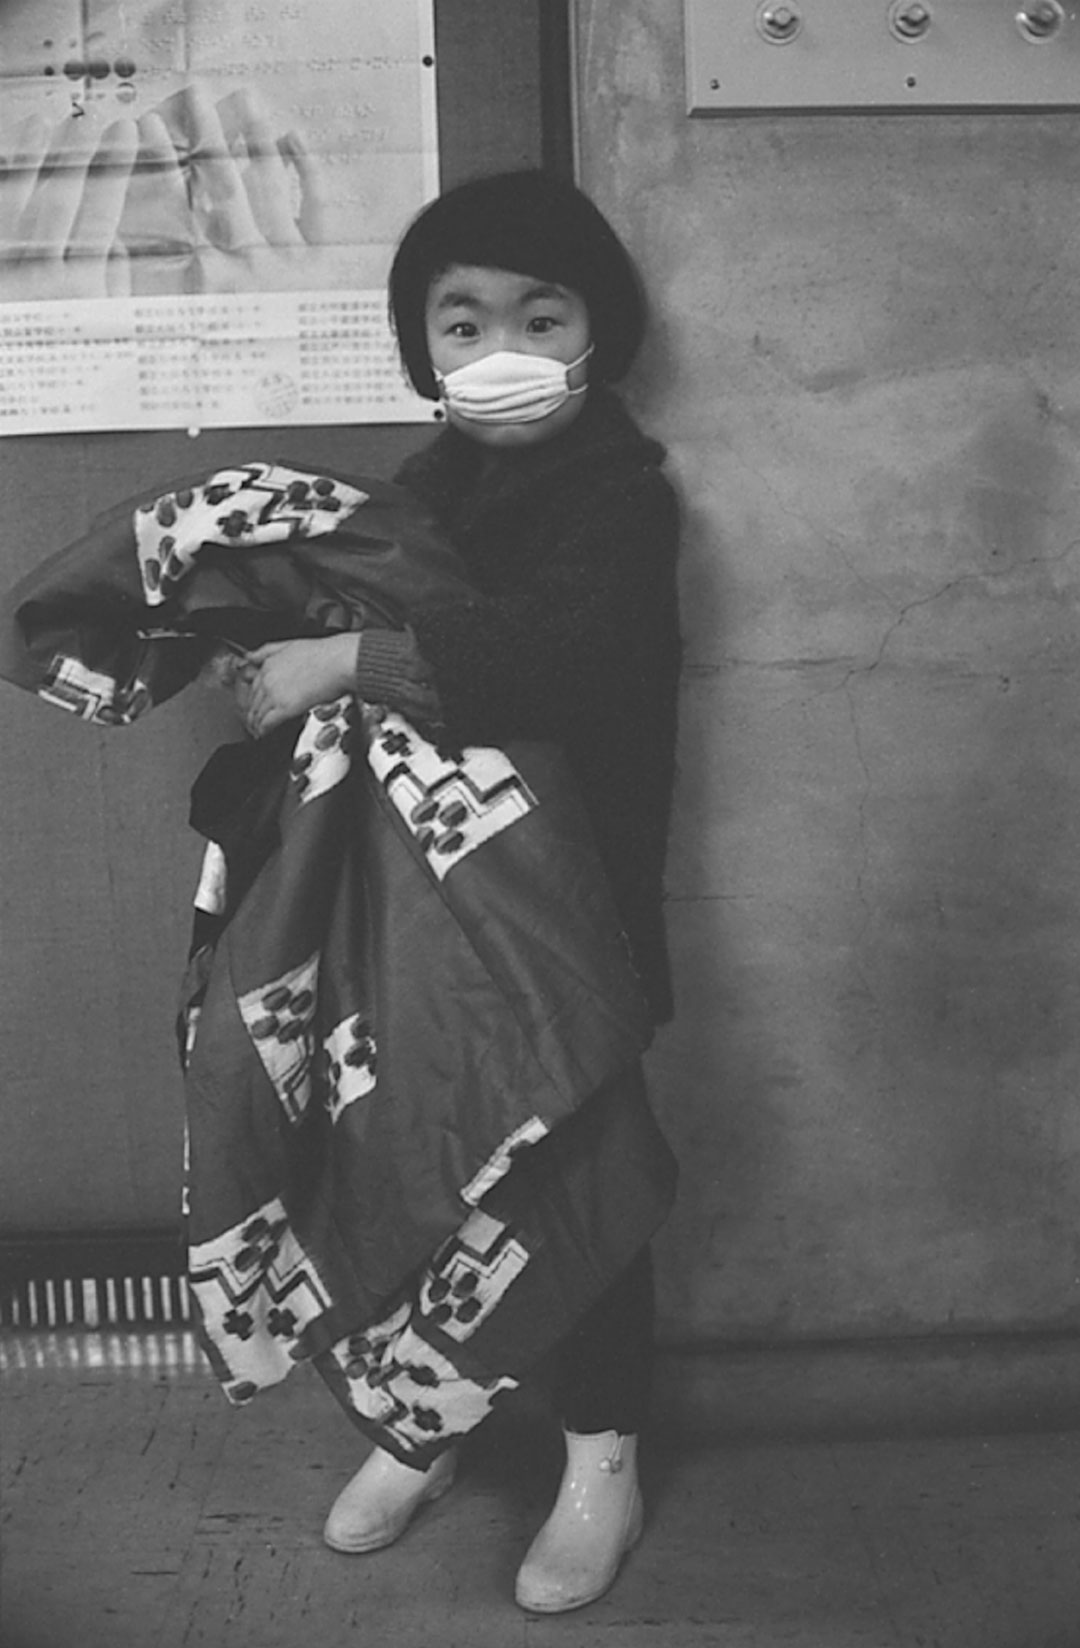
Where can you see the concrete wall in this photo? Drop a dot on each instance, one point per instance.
(867, 368)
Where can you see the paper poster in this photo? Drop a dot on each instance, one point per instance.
(199, 200)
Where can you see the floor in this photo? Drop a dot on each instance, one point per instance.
(140, 1511)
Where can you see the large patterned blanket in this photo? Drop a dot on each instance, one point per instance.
(418, 1141)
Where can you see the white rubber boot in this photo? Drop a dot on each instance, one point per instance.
(378, 1504)
(598, 1517)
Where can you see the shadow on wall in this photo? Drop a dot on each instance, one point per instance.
(704, 1067)
(875, 880)
(969, 725)
(974, 955)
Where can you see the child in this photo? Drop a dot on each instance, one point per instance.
(516, 306)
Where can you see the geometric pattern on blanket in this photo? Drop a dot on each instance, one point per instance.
(350, 1063)
(398, 1381)
(72, 685)
(257, 1290)
(397, 1378)
(500, 1162)
(320, 756)
(450, 807)
(278, 1016)
(469, 1275)
(266, 1298)
(257, 503)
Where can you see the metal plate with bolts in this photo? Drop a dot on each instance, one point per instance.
(752, 56)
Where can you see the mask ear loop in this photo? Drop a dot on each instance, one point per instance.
(583, 389)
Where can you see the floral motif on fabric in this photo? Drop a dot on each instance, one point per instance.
(469, 1275)
(397, 1378)
(413, 1392)
(350, 1063)
(450, 807)
(257, 1290)
(278, 1016)
(251, 506)
(320, 758)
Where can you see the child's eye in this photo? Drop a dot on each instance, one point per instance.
(462, 329)
(542, 323)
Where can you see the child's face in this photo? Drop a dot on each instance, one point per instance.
(472, 311)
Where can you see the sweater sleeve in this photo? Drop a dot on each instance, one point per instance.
(596, 621)
(391, 671)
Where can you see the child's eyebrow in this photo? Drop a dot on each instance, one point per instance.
(464, 298)
(544, 290)
(458, 300)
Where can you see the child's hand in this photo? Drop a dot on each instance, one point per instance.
(291, 677)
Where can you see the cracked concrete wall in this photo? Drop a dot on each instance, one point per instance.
(866, 365)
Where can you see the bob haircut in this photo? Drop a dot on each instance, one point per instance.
(529, 223)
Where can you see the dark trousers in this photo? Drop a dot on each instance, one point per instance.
(602, 1370)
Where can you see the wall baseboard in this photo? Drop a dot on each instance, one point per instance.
(934, 1384)
(918, 1386)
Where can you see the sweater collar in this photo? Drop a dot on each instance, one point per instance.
(449, 473)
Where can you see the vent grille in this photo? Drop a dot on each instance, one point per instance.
(96, 1302)
(116, 1279)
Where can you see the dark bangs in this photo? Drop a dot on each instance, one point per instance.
(529, 223)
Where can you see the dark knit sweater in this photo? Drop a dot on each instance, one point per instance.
(573, 633)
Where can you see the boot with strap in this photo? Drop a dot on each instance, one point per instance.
(598, 1517)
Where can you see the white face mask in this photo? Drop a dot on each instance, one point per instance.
(509, 387)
